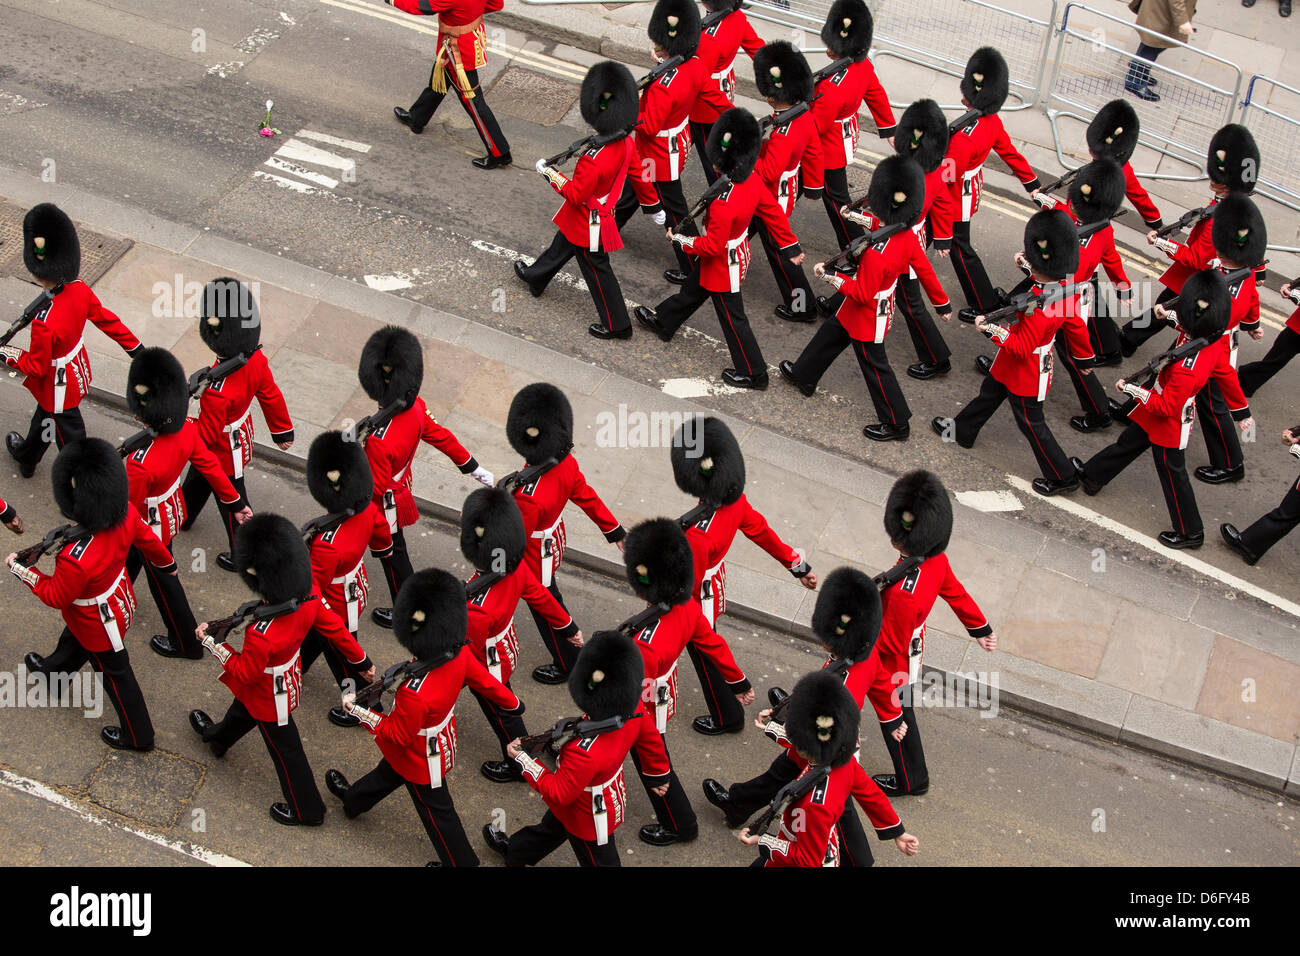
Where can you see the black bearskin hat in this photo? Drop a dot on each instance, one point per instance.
(606, 678)
(707, 461)
(231, 322)
(923, 134)
(986, 81)
(733, 144)
(897, 191)
(90, 484)
(1113, 132)
(539, 424)
(675, 26)
(157, 391)
(272, 559)
(918, 514)
(848, 29)
(1238, 231)
(1052, 244)
(430, 617)
(492, 535)
(51, 249)
(783, 73)
(1204, 305)
(1097, 191)
(608, 98)
(338, 474)
(822, 721)
(848, 614)
(1233, 158)
(392, 366)
(659, 561)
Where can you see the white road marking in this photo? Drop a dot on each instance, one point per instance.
(287, 20)
(226, 70)
(39, 790)
(320, 179)
(990, 501)
(391, 283)
(502, 252)
(334, 140)
(286, 183)
(1154, 546)
(12, 103)
(696, 388)
(307, 153)
(259, 38)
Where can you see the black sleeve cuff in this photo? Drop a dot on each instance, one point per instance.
(165, 568)
(814, 192)
(741, 686)
(979, 632)
(566, 632)
(8, 514)
(1241, 414)
(469, 466)
(652, 210)
(366, 664)
(789, 252)
(518, 711)
(136, 351)
(1123, 295)
(943, 245)
(888, 131)
(617, 535)
(281, 438)
(943, 309)
(381, 554)
(1249, 326)
(1032, 185)
(802, 570)
(892, 833)
(1157, 224)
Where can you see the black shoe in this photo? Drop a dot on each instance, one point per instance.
(336, 783)
(880, 431)
(1090, 487)
(164, 645)
(496, 841)
(1247, 3)
(711, 728)
(600, 332)
(924, 370)
(940, 427)
(383, 616)
(281, 813)
(824, 305)
(341, 718)
(720, 797)
(787, 313)
(1143, 93)
(1090, 422)
(787, 372)
(1284, 8)
(889, 784)
(34, 663)
(203, 725)
(1117, 410)
(502, 771)
(1107, 359)
(776, 696)
(1181, 542)
(1220, 476)
(647, 318)
(114, 737)
(676, 276)
(533, 287)
(656, 834)
(968, 315)
(733, 378)
(983, 364)
(1232, 538)
(550, 674)
(1052, 486)
(434, 863)
(226, 561)
(12, 442)
(491, 162)
(404, 117)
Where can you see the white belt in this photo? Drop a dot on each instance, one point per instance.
(350, 595)
(883, 298)
(236, 448)
(433, 749)
(1231, 336)
(106, 616)
(286, 692)
(726, 70)
(674, 156)
(784, 189)
(735, 268)
(1044, 353)
(664, 699)
(915, 651)
(847, 128)
(593, 224)
(492, 649)
(152, 506)
(61, 376)
(707, 593)
(547, 538)
(968, 191)
(599, 809)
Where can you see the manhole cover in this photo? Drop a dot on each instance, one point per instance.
(153, 788)
(98, 251)
(534, 97)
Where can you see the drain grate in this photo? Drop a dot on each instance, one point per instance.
(531, 96)
(98, 251)
(153, 789)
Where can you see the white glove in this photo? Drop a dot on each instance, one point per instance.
(482, 474)
(660, 218)
(541, 166)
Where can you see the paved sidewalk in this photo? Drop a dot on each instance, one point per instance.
(1087, 636)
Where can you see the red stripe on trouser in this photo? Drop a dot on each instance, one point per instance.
(749, 368)
(288, 781)
(1080, 377)
(604, 306)
(902, 762)
(1218, 427)
(428, 812)
(913, 324)
(164, 606)
(1167, 478)
(473, 113)
(117, 696)
(893, 418)
(1024, 411)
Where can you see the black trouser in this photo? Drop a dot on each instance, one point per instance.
(285, 747)
(971, 274)
(596, 272)
(563, 654)
(1092, 396)
(1221, 442)
(532, 844)
(673, 312)
(855, 848)
(1254, 374)
(480, 114)
(1275, 525)
(64, 427)
(315, 644)
(196, 491)
(699, 139)
(1102, 330)
(1136, 331)
(397, 564)
(169, 594)
(1171, 467)
(926, 337)
(1028, 413)
(673, 810)
(1139, 68)
(506, 726)
(674, 202)
(721, 701)
(835, 195)
(796, 292)
(433, 805)
(119, 680)
(907, 755)
(830, 339)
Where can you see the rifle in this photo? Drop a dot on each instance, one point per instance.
(1189, 218)
(29, 314)
(964, 120)
(697, 514)
(639, 622)
(826, 72)
(1294, 295)
(1062, 183)
(1028, 302)
(137, 441)
(369, 695)
(253, 612)
(1236, 275)
(567, 729)
(668, 65)
(785, 796)
(587, 142)
(1162, 361)
(380, 419)
(204, 377)
(521, 479)
(788, 115)
(54, 540)
(1088, 230)
(860, 245)
(719, 186)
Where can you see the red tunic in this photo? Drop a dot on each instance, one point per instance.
(836, 109)
(1166, 412)
(155, 472)
(337, 562)
(56, 365)
(1139, 198)
(724, 247)
(968, 149)
(458, 15)
(226, 413)
(1192, 256)
(1024, 360)
(788, 152)
(720, 47)
(663, 136)
(1293, 322)
(491, 632)
(868, 305)
(940, 208)
(391, 452)
(587, 216)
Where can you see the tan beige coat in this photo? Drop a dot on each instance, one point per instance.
(1158, 20)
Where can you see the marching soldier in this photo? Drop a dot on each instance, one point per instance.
(391, 372)
(865, 305)
(157, 394)
(55, 365)
(265, 674)
(847, 34)
(90, 586)
(493, 541)
(462, 52)
(660, 568)
(9, 517)
(608, 101)
(985, 86)
(723, 251)
(1022, 370)
(1254, 542)
(231, 325)
(720, 44)
(1162, 418)
(1285, 347)
(417, 739)
(539, 426)
(709, 466)
(586, 794)
(339, 479)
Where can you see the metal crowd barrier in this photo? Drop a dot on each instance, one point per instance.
(1278, 136)
(1089, 70)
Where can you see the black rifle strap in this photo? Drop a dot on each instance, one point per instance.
(520, 479)
(324, 524)
(482, 583)
(140, 439)
(639, 622)
(787, 795)
(902, 569)
(701, 512)
(216, 373)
